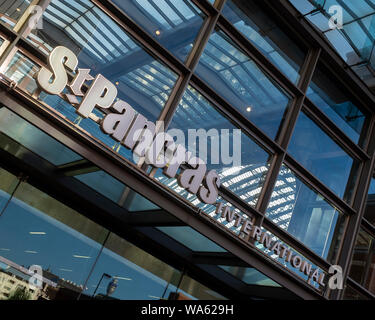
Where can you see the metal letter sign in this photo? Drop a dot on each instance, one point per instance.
(138, 134)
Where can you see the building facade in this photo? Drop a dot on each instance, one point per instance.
(81, 201)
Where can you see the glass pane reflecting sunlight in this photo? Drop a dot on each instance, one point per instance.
(306, 215)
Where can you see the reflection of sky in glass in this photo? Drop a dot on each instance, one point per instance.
(34, 139)
(299, 210)
(332, 99)
(56, 250)
(319, 154)
(242, 83)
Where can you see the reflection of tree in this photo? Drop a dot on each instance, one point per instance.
(20, 294)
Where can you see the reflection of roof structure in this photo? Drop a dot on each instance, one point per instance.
(88, 29)
(240, 73)
(355, 42)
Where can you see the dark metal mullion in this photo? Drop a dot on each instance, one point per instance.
(287, 129)
(191, 7)
(359, 204)
(236, 117)
(368, 226)
(359, 288)
(15, 38)
(192, 61)
(295, 244)
(138, 181)
(141, 36)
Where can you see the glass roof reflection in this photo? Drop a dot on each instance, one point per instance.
(355, 41)
(104, 47)
(250, 276)
(191, 239)
(175, 24)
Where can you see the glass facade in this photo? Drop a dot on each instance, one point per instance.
(242, 83)
(290, 140)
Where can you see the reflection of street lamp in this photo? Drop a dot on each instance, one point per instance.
(112, 286)
(103, 275)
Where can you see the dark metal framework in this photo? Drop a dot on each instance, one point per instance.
(142, 181)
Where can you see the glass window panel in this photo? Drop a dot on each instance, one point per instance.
(136, 274)
(246, 179)
(191, 239)
(352, 294)
(328, 95)
(36, 229)
(250, 276)
(363, 263)
(305, 214)
(102, 46)
(116, 191)
(194, 290)
(22, 70)
(175, 24)
(12, 10)
(34, 139)
(370, 206)
(319, 154)
(208, 209)
(242, 83)
(264, 33)
(8, 183)
(104, 184)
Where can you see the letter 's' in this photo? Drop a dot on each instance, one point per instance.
(54, 79)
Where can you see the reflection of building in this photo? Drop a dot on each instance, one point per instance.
(10, 282)
(74, 200)
(14, 277)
